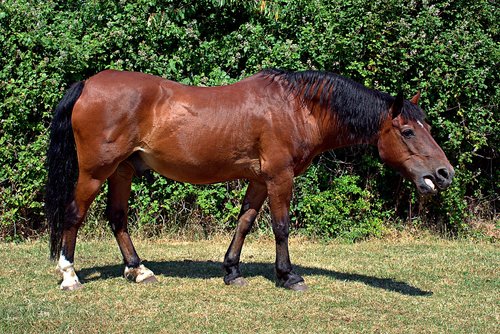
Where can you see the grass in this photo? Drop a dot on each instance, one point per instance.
(381, 286)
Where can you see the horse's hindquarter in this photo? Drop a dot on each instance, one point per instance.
(106, 119)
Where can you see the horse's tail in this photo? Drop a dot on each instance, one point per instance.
(62, 165)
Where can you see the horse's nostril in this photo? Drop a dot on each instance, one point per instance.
(443, 173)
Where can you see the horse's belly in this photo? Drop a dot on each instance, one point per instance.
(202, 171)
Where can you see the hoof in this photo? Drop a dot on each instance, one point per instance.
(301, 286)
(149, 280)
(70, 280)
(73, 287)
(238, 281)
(292, 281)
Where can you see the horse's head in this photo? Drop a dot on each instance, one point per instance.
(406, 144)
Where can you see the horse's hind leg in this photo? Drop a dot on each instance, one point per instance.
(85, 192)
(254, 198)
(118, 195)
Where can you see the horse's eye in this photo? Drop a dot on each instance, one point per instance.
(408, 133)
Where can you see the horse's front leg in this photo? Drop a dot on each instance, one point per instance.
(254, 198)
(119, 191)
(280, 194)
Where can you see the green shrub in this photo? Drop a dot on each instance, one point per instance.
(447, 49)
(342, 209)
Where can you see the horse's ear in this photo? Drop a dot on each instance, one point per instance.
(415, 99)
(397, 105)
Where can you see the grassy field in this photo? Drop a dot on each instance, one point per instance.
(405, 286)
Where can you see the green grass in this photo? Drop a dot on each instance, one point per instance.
(407, 286)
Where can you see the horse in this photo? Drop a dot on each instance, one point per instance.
(266, 129)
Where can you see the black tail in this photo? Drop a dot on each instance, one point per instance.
(62, 165)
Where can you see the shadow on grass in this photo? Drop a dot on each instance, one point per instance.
(211, 269)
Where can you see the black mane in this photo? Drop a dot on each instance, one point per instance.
(359, 108)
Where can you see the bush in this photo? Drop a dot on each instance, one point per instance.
(336, 207)
(447, 49)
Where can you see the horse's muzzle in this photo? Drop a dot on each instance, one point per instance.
(439, 180)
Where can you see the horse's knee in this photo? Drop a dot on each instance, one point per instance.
(281, 231)
(115, 214)
(117, 218)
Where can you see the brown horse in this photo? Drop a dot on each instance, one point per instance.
(266, 129)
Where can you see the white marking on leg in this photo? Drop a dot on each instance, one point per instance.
(63, 263)
(138, 274)
(70, 279)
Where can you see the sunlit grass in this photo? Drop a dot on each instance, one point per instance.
(409, 286)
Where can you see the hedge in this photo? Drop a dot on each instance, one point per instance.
(447, 49)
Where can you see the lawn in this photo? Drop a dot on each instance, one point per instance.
(380, 286)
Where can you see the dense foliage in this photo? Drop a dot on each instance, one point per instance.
(447, 49)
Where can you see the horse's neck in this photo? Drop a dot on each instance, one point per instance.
(336, 134)
(348, 118)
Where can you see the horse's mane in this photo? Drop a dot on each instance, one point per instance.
(361, 109)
